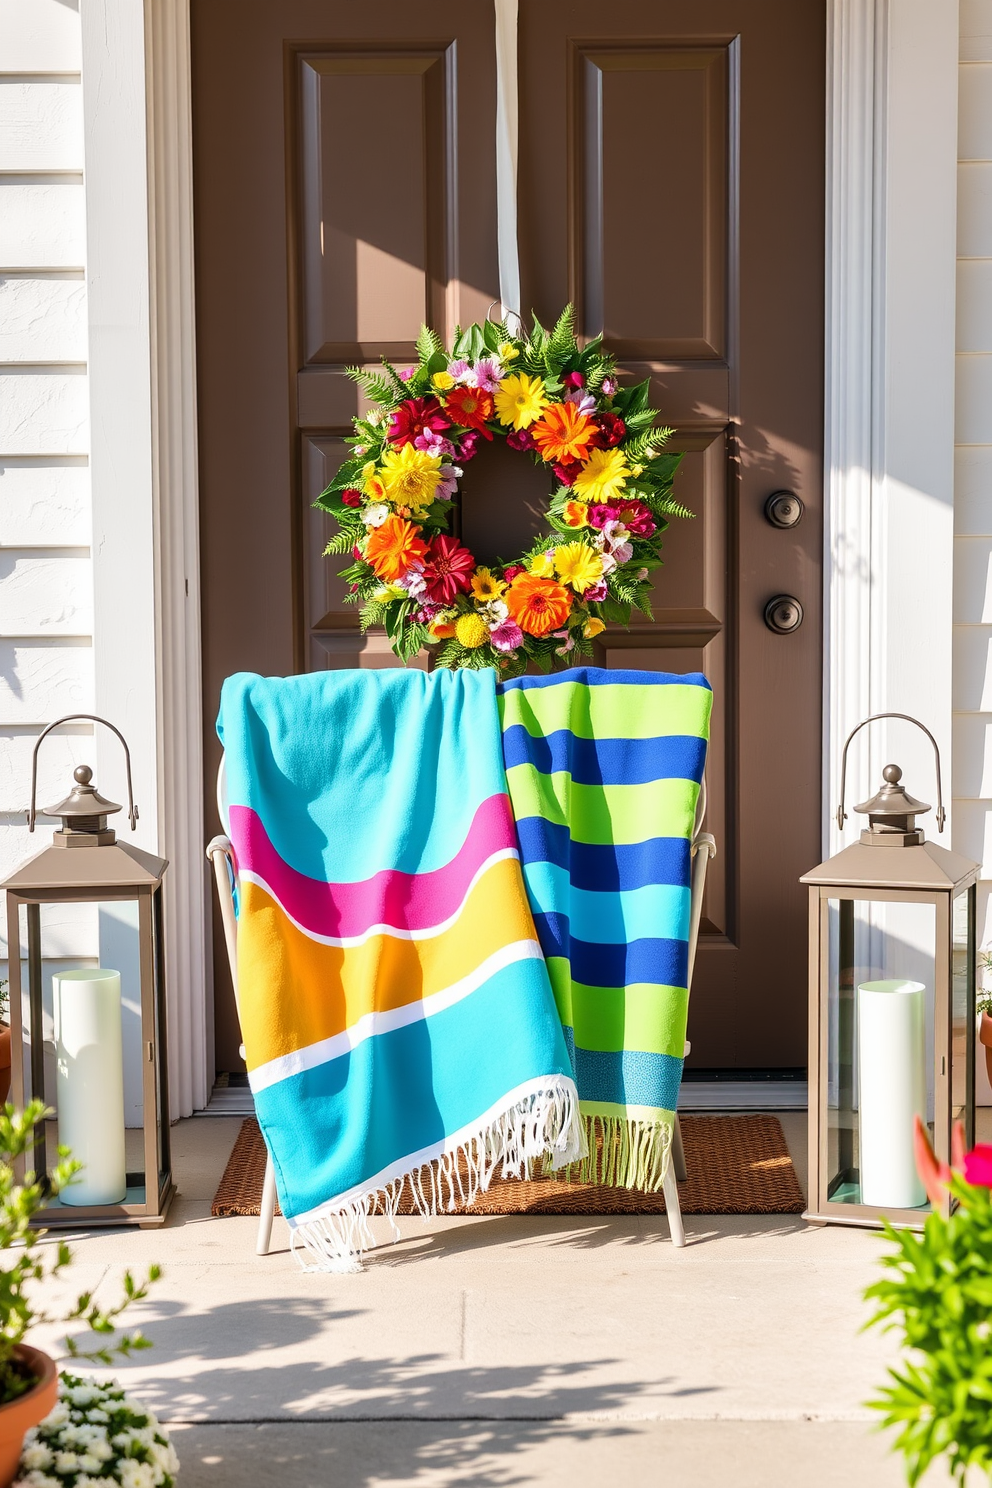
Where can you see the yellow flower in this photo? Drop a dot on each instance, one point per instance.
(410, 476)
(602, 477)
(592, 627)
(374, 488)
(367, 469)
(507, 351)
(520, 400)
(636, 470)
(486, 586)
(443, 381)
(579, 565)
(575, 514)
(543, 565)
(472, 631)
(386, 592)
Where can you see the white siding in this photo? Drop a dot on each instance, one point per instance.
(972, 764)
(46, 602)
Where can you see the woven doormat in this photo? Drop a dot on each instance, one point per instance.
(735, 1165)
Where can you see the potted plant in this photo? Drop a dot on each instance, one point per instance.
(937, 1289)
(28, 1376)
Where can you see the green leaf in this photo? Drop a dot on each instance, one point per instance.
(428, 343)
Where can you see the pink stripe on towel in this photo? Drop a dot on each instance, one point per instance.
(403, 901)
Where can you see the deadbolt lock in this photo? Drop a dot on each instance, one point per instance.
(784, 509)
(783, 614)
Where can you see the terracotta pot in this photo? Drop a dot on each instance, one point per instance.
(4, 1062)
(985, 1035)
(27, 1410)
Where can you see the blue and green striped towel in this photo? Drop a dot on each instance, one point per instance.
(604, 771)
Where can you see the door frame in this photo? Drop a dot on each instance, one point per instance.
(888, 414)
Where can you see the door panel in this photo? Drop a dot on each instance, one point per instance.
(671, 185)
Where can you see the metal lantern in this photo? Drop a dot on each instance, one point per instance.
(86, 864)
(891, 1006)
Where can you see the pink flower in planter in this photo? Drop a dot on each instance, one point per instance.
(978, 1165)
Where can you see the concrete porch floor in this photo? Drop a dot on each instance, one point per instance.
(500, 1351)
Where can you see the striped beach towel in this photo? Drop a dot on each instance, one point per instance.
(604, 770)
(396, 1010)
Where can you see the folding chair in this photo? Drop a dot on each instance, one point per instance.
(220, 854)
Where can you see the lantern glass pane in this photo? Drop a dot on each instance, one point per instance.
(880, 970)
(87, 984)
(963, 1015)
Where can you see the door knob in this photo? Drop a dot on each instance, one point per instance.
(783, 614)
(784, 509)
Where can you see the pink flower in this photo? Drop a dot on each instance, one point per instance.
(600, 515)
(574, 380)
(520, 439)
(584, 402)
(413, 419)
(597, 592)
(426, 612)
(468, 444)
(610, 386)
(507, 636)
(636, 518)
(459, 370)
(448, 484)
(488, 374)
(407, 373)
(434, 443)
(623, 552)
(978, 1165)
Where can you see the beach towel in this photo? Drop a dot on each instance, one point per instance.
(604, 771)
(396, 1011)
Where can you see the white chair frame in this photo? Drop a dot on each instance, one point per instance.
(221, 856)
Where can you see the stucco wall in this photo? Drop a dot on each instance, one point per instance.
(46, 650)
(972, 730)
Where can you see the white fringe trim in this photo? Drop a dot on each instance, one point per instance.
(542, 1125)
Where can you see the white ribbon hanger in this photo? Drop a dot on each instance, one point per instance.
(507, 132)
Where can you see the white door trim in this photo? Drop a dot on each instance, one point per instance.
(888, 444)
(889, 387)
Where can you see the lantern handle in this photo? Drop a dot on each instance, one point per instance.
(941, 816)
(132, 810)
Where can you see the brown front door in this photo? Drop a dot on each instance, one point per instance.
(671, 186)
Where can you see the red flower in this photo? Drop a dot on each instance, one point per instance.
(412, 418)
(566, 473)
(351, 497)
(510, 573)
(636, 518)
(574, 380)
(470, 407)
(356, 551)
(611, 429)
(520, 439)
(447, 569)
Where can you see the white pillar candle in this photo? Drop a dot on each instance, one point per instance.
(89, 1083)
(892, 1090)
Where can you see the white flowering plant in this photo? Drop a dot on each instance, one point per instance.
(97, 1436)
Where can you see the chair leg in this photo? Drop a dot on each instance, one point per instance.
(678, 1153)
(268, 1209)
(671, 1190)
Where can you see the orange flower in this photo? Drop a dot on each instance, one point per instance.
(537, 605)
(393, 547)
(563, 434)
(575, 514)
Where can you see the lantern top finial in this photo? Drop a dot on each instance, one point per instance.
(84, 813)
(892, 813)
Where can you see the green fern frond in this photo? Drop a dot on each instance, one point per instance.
(561, 343)
(400, 389)
(343, 541)
(377, 389)
(428, 343)
(672, 508)
(373, 613)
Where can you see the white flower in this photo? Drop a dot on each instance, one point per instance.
(38, 1480)
(90, 1462)
(375, 417)
(623, 552)
(36, 1454)
(374, 516)
(57, 1416)
(134, 1474)
(83, 1394)
(66, 1462)
(413, 582)
(360, 449)
(609, 563)
(101, 1415)
(494, 613)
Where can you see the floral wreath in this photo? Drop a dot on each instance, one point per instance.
(609, 501)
